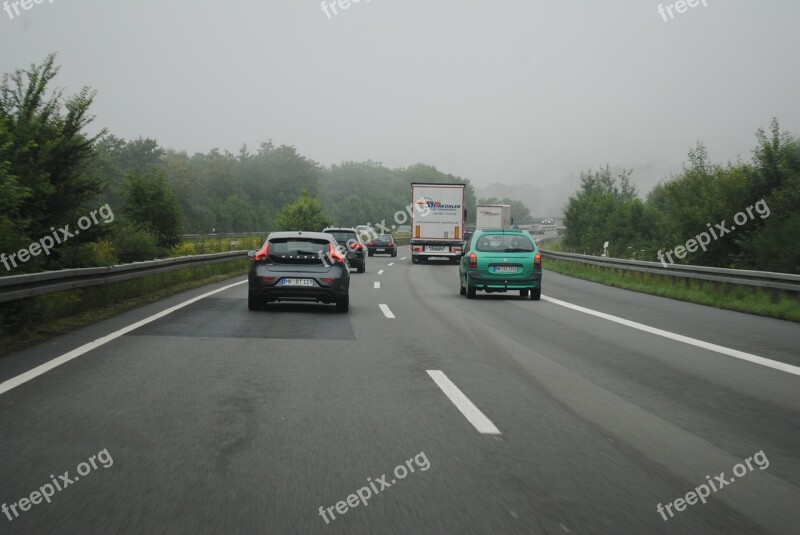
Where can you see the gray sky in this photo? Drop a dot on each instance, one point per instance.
(512, 91)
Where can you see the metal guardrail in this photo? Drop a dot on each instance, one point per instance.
(763, 279)
(30, 285)
(24, 286)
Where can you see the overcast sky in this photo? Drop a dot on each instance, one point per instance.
(513, 91)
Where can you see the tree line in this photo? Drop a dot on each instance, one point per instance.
(52, 173)
(743, 214)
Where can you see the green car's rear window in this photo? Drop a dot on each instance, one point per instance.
(504, 243)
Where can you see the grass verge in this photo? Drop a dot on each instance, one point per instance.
(749, 299)
(30, 321)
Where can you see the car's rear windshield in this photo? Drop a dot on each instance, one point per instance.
(505, 243)
(343, 236)
(385, 237)
(297, 246)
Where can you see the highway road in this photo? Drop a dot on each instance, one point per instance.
(581, 413)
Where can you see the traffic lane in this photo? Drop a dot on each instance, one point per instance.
(544, 490)
(223, 411)
(175, 413)
(715, 396)
(768, 337)
(17, 363)
(710, 376)
(552, 365)
(580, 474)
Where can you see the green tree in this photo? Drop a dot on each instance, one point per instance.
(13, 227)
(771, 243)
(304, 214)
(43, 156)
(151, 205)
(607, 208)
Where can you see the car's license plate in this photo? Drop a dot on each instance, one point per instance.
(436, 249)
(505, 269)
(298, 282)
(381, 250)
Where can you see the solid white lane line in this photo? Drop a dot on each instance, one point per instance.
(377, 285)
(755, 359)
(386, 311)
(380, 272)
(75, 353)
(391, 264)
(472, 413)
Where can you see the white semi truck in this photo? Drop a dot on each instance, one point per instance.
(493, 216)
(437, 221)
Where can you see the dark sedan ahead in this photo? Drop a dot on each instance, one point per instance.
(298, 266)
(382, 244)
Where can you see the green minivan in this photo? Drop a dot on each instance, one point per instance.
(501, 260)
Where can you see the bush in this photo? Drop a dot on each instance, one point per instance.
(135, 244)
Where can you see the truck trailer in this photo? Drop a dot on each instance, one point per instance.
(493, 216)
(437, 221)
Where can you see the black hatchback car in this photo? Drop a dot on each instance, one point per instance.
(299, 266)
(382, 244)
(350, 245)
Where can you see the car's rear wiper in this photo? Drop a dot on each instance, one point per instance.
(518, 250)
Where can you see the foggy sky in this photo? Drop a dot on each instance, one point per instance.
(510, 91)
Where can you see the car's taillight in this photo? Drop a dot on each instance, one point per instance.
(357, 247)
(537, 261)
(370, 244)
(263, 253)
(267, 279)
(328, 280)
(391, 244)
(336, 256)
(473, 260)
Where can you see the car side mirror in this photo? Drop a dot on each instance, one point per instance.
(251, 254)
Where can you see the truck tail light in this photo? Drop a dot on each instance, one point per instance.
(537, 261)
(473, 260)
(416, 249)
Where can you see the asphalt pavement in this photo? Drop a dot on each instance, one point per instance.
(581, 413)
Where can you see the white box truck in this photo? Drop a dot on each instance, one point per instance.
(437, 221)
(493, 216)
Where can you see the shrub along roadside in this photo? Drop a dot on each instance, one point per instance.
(748, 299)
(45, 316)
